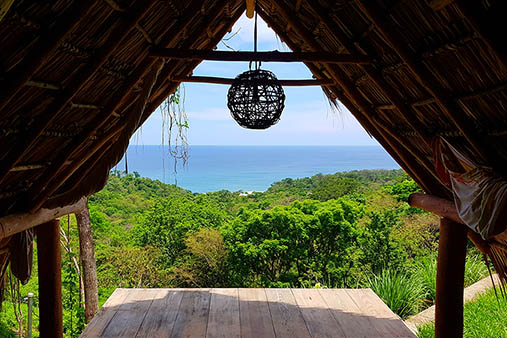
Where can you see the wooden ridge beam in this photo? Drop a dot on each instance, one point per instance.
(229, 81)
(428, 81)
(273, 56)
(12, 224)
(83, 76)
(47, 43)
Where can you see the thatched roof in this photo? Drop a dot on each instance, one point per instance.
(77, 80)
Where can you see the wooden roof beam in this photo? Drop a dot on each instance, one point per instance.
(397, 151)
(449, 107)
(46, 186)
(274, 56)
(12, 224)
(47, 43)
(229, 81)
(128, 19)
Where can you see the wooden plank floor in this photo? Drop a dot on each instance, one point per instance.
(256, 313)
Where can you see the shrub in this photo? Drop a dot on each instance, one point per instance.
(426, 272)
(475, 269)
(400, 292)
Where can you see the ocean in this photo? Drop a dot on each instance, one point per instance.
(250, 168)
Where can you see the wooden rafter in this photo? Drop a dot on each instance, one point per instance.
(128, 20)
(274, 56)
(229, 81)
(47, 185)
(48, 42)
(449, 107)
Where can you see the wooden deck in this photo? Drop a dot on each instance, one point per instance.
(255, 313)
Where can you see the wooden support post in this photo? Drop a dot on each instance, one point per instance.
(450, 280)
(50, 280)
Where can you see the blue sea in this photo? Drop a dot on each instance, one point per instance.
(250, 168)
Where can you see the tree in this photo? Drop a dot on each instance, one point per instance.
(87, 257)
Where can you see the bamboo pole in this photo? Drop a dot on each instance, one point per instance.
(50, 280)
(83, 76)
(14, 223)
(274, 56)
(229, 81)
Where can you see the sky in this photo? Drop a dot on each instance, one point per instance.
(306, 120)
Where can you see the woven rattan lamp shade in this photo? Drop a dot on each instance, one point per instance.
(256, 99)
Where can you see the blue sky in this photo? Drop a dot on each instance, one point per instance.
(307, 118)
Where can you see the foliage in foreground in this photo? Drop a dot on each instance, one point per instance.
(483, 317)
(336, 230)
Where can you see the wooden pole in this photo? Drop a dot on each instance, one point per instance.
(229, 81)
(274, 56)
(450, 280)
(50, 280)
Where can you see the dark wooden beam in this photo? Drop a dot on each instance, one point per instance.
(426, 79)
(50, 280)
(274, 56)
(450, 280)
(14, 223)
(436, 205)
(229, 81)
(48, 41)
(127, 22)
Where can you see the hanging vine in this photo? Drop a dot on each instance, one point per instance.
(175, 127)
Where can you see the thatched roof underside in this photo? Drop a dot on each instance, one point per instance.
(77, 80)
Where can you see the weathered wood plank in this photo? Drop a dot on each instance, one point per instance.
(193, 314)
(129, 316)
(382, 318)
(254, 313)
(223, 318)
(351, 318)
(319, 320)
(106, 313)
(161, 316)
(287, 319)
